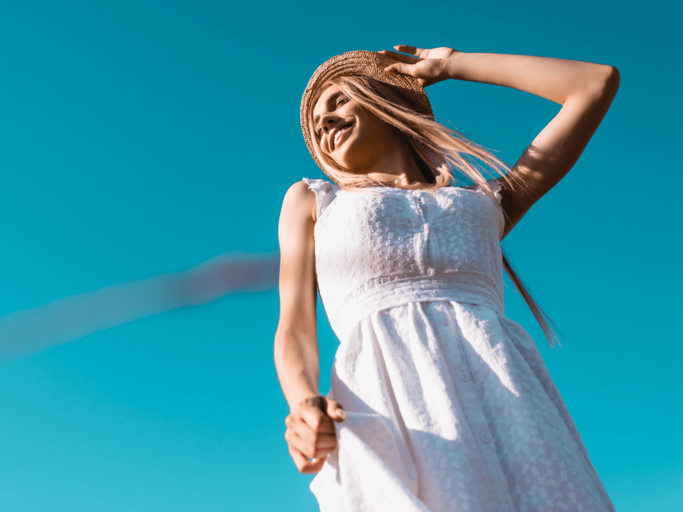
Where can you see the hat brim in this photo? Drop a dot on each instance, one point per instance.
(359, 63)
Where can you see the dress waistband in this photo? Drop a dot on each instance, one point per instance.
(384, 293)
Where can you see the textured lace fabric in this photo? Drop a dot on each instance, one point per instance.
(449, 405)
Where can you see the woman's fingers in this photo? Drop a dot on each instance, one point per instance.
(315, 418)
(413, 50)
(408, 59)
(335, 410)
(310, 433)
(311, 437)
(400, 67)
(303, 464)
(319, 447)
(311, 443)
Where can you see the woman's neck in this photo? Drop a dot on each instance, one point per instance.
(397, 168)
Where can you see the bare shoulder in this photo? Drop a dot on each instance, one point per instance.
(299, 203)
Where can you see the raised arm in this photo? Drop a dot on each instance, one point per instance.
(310, 431)
(585, 91)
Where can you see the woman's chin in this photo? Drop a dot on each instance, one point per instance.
(348, 159)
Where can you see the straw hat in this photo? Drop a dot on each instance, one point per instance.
(360, 63)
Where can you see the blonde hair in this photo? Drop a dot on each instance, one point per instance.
(444, 157)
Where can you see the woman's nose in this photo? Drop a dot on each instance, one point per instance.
(328, 122)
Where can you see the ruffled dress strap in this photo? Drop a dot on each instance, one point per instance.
(325, 192)
(495, 187)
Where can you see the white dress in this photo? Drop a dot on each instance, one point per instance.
(449, 405)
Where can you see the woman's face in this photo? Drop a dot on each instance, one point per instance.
(352, 136)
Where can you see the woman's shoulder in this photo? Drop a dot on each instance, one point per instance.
(299, 202)
(299, 191)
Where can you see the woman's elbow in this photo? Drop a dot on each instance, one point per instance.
(607, 80)
(612, 78)
(601, 85)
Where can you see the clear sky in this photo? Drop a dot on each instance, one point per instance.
(144, 137)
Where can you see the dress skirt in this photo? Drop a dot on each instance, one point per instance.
(450, 408)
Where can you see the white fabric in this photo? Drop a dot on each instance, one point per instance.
(449, 405)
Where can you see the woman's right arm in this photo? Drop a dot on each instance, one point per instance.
(310, 431)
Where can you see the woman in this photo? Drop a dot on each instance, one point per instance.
(438, 401)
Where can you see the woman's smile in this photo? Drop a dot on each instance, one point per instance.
(338, 136)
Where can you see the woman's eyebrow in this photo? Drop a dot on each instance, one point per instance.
(333, 97)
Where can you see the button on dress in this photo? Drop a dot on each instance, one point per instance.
(449, 405)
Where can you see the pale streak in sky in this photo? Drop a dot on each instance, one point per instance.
(30, 330)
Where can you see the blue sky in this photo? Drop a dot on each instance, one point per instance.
(139, 138)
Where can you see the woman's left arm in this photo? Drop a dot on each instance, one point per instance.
(585, 91)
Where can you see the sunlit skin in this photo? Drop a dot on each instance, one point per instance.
(584, 90)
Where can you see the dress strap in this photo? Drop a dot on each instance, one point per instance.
(325, 192)
(495, 187)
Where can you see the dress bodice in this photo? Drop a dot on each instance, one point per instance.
(384, 247)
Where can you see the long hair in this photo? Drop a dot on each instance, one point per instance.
(444, 157)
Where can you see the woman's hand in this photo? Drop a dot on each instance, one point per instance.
(310, 432)
(428, 66)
